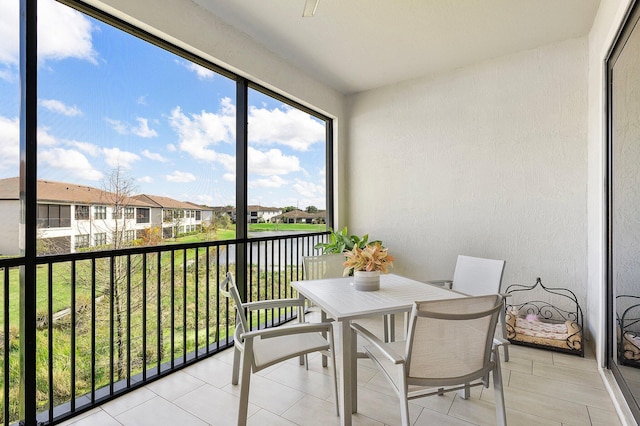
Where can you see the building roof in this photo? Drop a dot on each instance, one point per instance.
(166, 202)
(199, 206)
(259, 208)
(63, 192)
(300, 214)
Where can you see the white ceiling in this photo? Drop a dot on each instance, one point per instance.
(356, 45)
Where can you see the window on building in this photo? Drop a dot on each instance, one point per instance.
(167, 215)
(82, 212)
(100, 239)
(54, 216)
(198, 215)
(116, 212)
(129, 213)
(129, 235)
(99, 212)
(143, 215)
(82, 241)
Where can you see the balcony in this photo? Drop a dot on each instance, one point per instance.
(544, 388)
(505, 154)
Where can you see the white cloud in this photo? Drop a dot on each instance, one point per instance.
(9, 32)
(143, 129)
(199, 132)
(153, 156)
(145, 179)
(229, 177)
(171, 147)
(45, 138)
(115, 157)
(287, 126)
(60, 108)
(142, 100)
(203, 199)
(269, 182)
(8, 75)
(271, 162)
(178, 176)
(86, 147)
(70, 160)
(63, 33)
(202, 72)
(309, 189)
(117, 125)
(9, 144)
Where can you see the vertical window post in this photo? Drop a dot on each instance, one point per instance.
(242, 118)
(28, 207)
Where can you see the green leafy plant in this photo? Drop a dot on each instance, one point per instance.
(341, 241)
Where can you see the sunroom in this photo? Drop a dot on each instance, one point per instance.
(495, 129)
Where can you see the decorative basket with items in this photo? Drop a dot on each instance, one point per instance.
(628, 318)
(549, 318)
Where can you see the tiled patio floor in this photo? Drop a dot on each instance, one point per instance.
(541, 388)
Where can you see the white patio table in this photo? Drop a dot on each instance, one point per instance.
(342, 302)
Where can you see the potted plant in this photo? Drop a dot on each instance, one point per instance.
(367, 263)
(341, 241)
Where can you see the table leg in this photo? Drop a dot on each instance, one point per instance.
(346, 378)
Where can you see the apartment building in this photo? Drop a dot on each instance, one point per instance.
(73, 217)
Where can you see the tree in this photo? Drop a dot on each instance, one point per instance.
(312, 209)
(151, 236)
(118, 190)
(111, 276)
(289, 209)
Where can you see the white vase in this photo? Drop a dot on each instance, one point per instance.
(367, 280)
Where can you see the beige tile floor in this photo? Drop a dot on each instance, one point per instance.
(541, 388)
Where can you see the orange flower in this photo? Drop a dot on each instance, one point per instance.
(372, 257)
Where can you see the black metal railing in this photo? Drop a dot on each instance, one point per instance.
(111, 321)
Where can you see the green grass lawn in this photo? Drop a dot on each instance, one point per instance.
(257, 227)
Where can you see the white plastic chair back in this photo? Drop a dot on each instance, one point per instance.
(324, 266)
(228, 289)
(450, 341)
(476, 276)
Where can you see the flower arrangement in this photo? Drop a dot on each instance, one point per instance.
(373, 257)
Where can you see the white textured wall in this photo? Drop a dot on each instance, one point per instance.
(10, 216)
(488, 161)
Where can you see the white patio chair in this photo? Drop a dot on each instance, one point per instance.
(450, 346)
(259, 349)
(477, 276)
(320, 267)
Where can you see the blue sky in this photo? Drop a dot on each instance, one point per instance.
(107, 100)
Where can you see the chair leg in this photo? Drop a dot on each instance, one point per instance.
(332, 349)
(498, 392)
(466, 392)
(236, 366)
(244, 383)
(323, 318)
(404, 401)
(385, 327)
(389, 328)
(503, 326)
